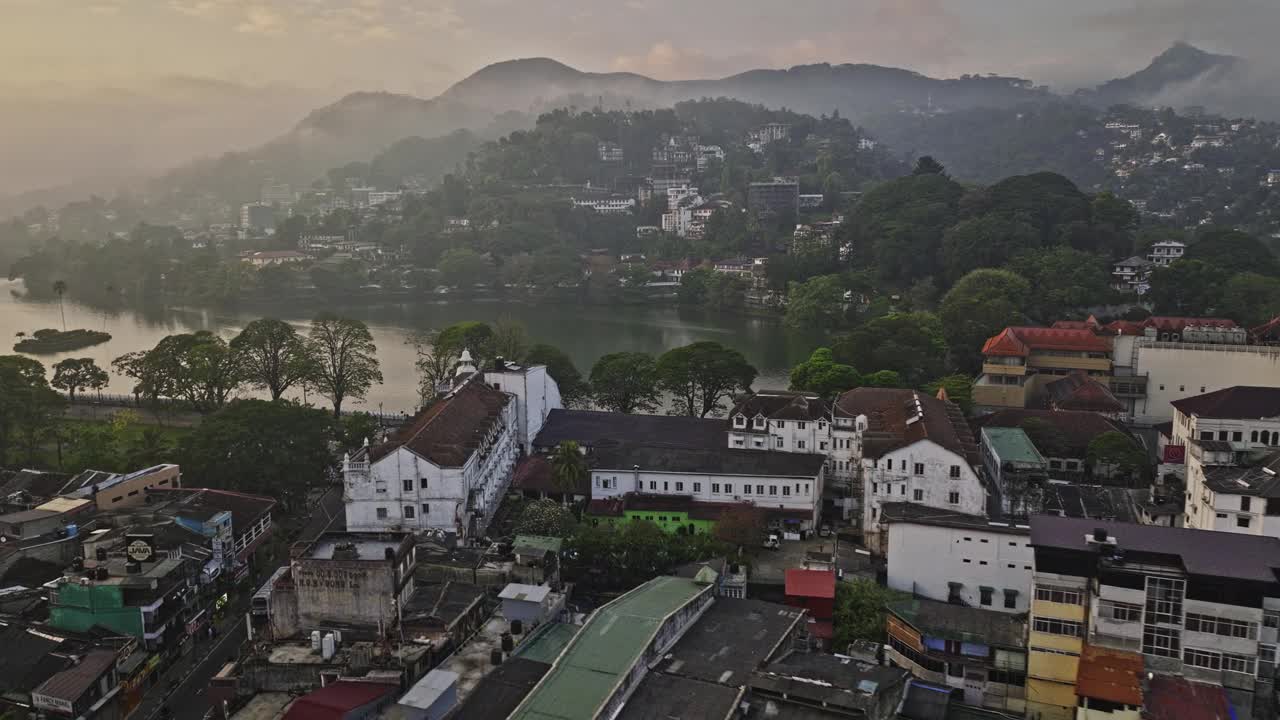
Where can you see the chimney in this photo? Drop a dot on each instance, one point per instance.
(1100, 535)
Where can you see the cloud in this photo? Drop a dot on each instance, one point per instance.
(665, 61)
(261, 20)
(104, 9)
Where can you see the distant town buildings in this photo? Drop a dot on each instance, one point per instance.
(257, 217)
(777, 196)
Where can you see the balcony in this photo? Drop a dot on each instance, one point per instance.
(1070, 362)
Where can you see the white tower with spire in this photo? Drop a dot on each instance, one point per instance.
(466, 364)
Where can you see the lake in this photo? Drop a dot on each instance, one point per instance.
(583, 332)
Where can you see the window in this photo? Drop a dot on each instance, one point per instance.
(802, 425)
(800, 444)
(806, 488)
(953, 497)
(1245, 503)
(1055, 464)
(1237, 436)
(759, 489)
(1221, 516)
(1226, 627)
(408, 485)
(1007, 677)
(919, 468)
(1202, 658)
(984, 595)
(1053, 626)
(715, 488)
(875, 488)
(1242, 521)
(1058, 594)
(426, 510)
(777, 442)
(653, 484)
(786, 489)
(1119, 611)
(1238, 663)
(955, 471)
(1164, 601)
(408, 512)
(737, 441)
(1160, 641)
(1206, 435)
(422, 483)
(773, 489)
(1223, 435)
(1010, 599)
(759, 422)
(1267, 653)
(382, 513)
(679, 487)
(822, 445)
(739, 421)
(781, 424)
(1253, 436)
(697, 487)
(917, 495)
(728, 489)
(665, 486)
(746, 489)
(902, 489)
(1271, 619)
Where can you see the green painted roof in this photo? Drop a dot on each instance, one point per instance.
(1013, 445)
(536, 543)
(605, 650)
(546, 642)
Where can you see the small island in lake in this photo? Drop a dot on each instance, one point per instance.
(48, 341)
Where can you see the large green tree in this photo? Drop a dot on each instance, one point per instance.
(464, 268)
(29, 408)
(911, 344)
(1250, 299)
(1119, 451)
(569, 469)
(982, 304)
(986, 241)
(74, 375)
(625, 382)
(281, 449)
(575, 391)
(703, 375)
(860, 611)
(816, 304)
(959, 389)
(346, 359)
(199, 368)
(273, 355)
(1064, 279)
(1188, 288)
(1233, 251)
(823, 375)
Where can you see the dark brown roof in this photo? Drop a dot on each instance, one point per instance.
(1112, 675)
(1177, 698)
(915, 513)
(782, 405)
(1077, 428)
(537, 473)
(1238, 402)
(589, 427)
(890, 421)
(717, 461)
(71, 683)
(1078, 391)
(449, 431)
(1206, 553)
(204, 503)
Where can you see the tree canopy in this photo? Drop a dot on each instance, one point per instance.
(346, 359)
(821, 374)
(625, 382)
(701, 376)
(978, 307)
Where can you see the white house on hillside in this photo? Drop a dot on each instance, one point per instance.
(446, 470)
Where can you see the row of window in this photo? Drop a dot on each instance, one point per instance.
(740, 421)
(1226, 627)
(1264, 437)
(1119, 611)
(1059, 594)
(409, 511)
(611, 483)
(917, 495)
(917, 468)
(1054, 626)
(1213, 660)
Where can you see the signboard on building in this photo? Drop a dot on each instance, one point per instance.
(52, 704)
(1175, 454)
(140, 548)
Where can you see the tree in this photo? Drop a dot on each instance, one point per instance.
(741, 526)
(1116, 450)
(281, 449)
(926, 165)
(985, 241)
(357, 429)
(76, 374)
(884, 379)
(60, 289)
(702, 375)
(463, 268)
(1187, 288)
(1064, 279)
(860, 611)
(510, 340)
(959, 390)
(911, 344)
(1233, 251)
(274, 356)
(435, 365)
(816, 304)
(1250, 299)
(625, 382)
(569, 469)
(574, 390)
(821, 374)
(978, 307)
(29, 408)
(199, 368)
(544, 517)
(471, 335)
(346, 359)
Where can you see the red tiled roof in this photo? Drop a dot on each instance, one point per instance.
(810, 583)
(1078, 391)
(1112, 675)
(1021, 341)
(1240, 402)
(335, 700)
(822, 629)
(1266, 332)
(1176, 698)
(447, 433)
(1178, 324)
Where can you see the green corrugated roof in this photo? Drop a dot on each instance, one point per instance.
(604, 650)
(536, 543)
(546, 642)
(1013, 445)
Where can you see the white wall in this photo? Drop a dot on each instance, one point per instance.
(787, 493)
(802, 436)
(537, 394)
(923, 559)
(900, 483)
(1176, 371)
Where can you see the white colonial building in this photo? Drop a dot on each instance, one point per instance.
(445, 470)
(958, 558)
(536, 393)
(909, 447)
(782, 421)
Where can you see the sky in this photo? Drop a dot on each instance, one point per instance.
(240, 71)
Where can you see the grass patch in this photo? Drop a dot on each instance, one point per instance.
(49, 341)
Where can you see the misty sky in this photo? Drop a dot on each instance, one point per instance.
(421, 46)
(120, 88)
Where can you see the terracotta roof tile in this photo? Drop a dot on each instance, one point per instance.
(1021, 341)
(1111, 675)
(448, 432)
(889, 413)
(1078, 391)
(1176, 698)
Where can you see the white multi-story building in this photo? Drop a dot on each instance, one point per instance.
(536, 393)
(608, 206)
(958, 558)
(787, 486)
(382, 197)
(1228, 493)
(1246, 417)
(909, 447)
(782, 421)
(1166, 251)
(609, 152)
(446, 470)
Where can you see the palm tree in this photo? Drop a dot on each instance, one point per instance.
(568, 468)
(60, 287)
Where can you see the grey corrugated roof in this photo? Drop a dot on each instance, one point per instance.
(1201, 552)
(589, 427)
(1259, 480)
(721, 461)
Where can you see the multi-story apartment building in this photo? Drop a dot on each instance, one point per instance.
(1231, 493)
(1165, 252)
(779, 196)
(445, 470)
(782, 421)
(1132, 275)
(1190, 603)
(1247, 417)
(908, 447)
(536, 394)
(607, 206)
(1019, 361)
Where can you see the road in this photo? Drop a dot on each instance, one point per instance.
(189, 700)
